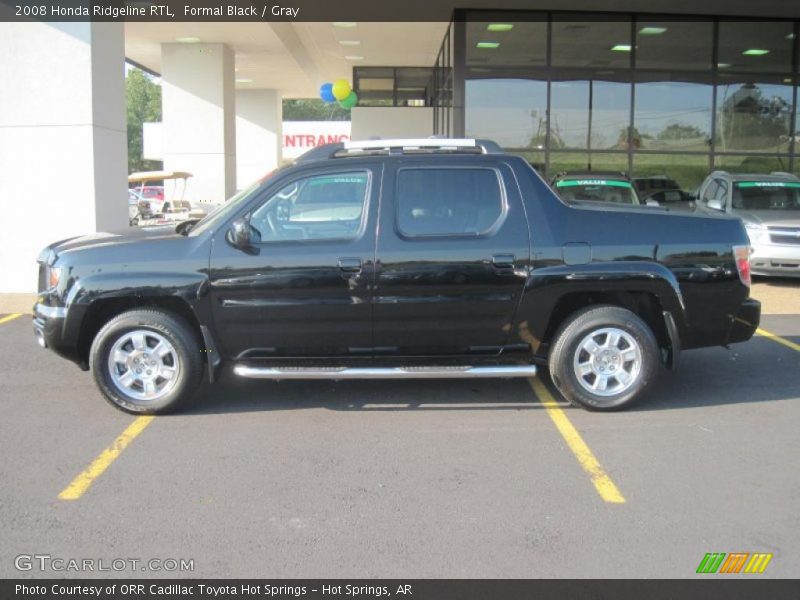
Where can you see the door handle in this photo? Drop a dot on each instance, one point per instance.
(350, 265)
(503, 261)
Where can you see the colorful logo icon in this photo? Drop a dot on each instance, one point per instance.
(735, 562)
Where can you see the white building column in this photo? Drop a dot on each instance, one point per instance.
(63, 140)
(259, 116)
(197, 87)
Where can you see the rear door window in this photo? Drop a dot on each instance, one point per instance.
(448, 201)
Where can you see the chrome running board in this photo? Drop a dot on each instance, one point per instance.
(442, 372)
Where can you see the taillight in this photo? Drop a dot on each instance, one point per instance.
(742, 256)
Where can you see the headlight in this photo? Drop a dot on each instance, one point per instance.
(755, 231)
(53, 276)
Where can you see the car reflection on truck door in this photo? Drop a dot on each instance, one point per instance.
(451, 260)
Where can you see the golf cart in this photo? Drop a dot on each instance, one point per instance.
(153, 209)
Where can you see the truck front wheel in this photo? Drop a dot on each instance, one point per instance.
(146, 361)
(603, 358)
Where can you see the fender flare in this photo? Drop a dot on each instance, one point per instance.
(547, 286)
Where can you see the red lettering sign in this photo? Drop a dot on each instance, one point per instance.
(312, 140)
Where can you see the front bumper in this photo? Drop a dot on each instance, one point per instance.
(745, 322)
(48, 323)
(775, 259)
(51, 331)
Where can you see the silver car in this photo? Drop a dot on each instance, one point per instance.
(769, 206)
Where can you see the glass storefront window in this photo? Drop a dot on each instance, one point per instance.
(672, 116)
(611, 113)
(569, 114)
(591, 43)
(506, 42)
(755, 46)
(669, 44)
(591, 114)
(649, 91)
(583, 161)
(751, 164)
(753, 117)
(688, 170)
(513, 112)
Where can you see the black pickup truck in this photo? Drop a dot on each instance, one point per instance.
(398, 259)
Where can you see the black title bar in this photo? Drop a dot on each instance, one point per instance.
(410, 589)
(348, 10)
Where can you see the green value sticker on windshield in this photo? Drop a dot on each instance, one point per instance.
(346, 178)
(575, 182)
(777, 184)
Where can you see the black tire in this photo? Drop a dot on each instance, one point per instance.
(184, 360)
(568, 342)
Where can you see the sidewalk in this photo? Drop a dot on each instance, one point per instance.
(16, 303)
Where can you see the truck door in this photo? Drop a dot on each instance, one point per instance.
(303, 288)
(451, 257)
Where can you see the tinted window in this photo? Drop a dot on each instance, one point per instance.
(754, 117)
(447, 201)
(314, 208)
(596, 190)
(722, 191)
(710, 191)
(772, 195)
(671, 44)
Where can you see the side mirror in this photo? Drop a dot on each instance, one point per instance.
(240, 233)
(651, 202)
(715, 204)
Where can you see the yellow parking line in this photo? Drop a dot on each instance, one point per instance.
(8, 318)
(84, 480)
(586, 458)
(779, 339)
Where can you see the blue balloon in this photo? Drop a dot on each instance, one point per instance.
(326, 93)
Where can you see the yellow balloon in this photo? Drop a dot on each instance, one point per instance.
(341, 89)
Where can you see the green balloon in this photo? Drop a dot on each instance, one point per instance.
(350, 101)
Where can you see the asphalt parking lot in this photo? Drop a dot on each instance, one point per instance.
(484, 478)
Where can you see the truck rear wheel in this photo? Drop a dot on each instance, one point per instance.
(146, 361)
(603, 358)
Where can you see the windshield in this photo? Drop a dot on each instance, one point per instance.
(222, 211)
(766, 195)
(597, 190)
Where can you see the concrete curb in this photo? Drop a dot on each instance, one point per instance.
(17, 303)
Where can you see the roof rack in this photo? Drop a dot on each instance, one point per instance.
(400, 146)
(413, 143)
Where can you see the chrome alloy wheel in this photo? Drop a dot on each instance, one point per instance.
(607, 362)
(143, 365)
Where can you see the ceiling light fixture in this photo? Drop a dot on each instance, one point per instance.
(187, 40)
(755, 52)
(499, 27)
(344, 24)
(354, 57)
(621, 48)
(723, 65)
(652, 30)
(488, 45)
(243, 80)
(350, 42)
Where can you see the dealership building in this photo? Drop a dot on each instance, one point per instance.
(651, 87)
